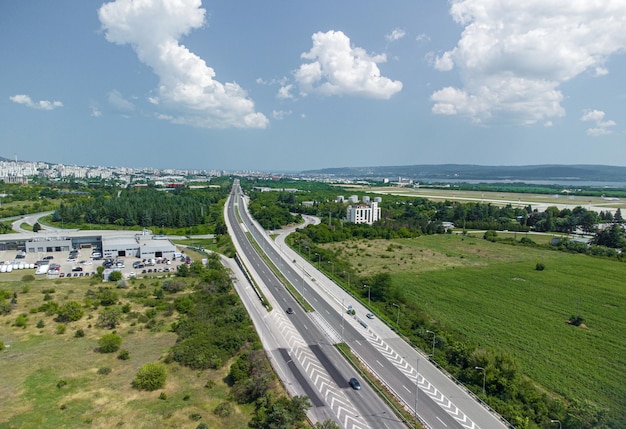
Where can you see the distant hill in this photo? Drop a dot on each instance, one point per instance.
(443, 172)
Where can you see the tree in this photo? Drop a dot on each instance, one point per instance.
(109, 343)
(151, 376)
(108, 296)
(36, 227)
(109, 318)
(70, 312)
(327, 424)
(115, 276)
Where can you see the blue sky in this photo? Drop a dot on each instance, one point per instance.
(291, 86)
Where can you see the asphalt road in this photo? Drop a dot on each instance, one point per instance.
(440, 402)
(311, 359)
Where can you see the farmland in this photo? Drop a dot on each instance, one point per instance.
(492, 295)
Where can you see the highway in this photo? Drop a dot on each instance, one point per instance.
(303, 352)
(439, 401)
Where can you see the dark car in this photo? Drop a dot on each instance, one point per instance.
(354, 383)
(47, 258)
(289, 310)
(77, 269)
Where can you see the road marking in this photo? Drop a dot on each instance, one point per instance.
(441, 421)
(406, 388)
(357, 341)
(379, 363)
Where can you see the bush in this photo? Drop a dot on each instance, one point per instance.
(21, 320)
(224, 409)
(115, 276)
(123, 355)
(28, 278)
(109, 343)
(70, 312)
(40, 324)
(576, 320)
(104, 370)
(163, 396)
(1, 346)
(79, 333)
(540, 266)
(150, 376)
(61, 329)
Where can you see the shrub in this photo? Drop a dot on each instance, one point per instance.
(28, 278)
(150, 376)
(115, 276)
(540, 266)
(1, 346)
(224, 409)
(107, 296)
(21, 320)
(79, 333)
(70, 312)
(163, 396)
(123, 355)
(40, 324)
(61, 329)
(109, 318)
(195, 416)
(576, 320)
(61, 384)
(109, 343)
(104, 370)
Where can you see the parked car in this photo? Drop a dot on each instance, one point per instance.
(48, 258)
(354, 383)
(77, 269)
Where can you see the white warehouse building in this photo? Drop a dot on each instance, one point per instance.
(363, 213)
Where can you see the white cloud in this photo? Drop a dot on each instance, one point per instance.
(513, 56)
(423, 37)
(284, 92)
(95, 111)
(602, 127)
(41, 105)
(187, 86)
(396, 34)
(281, 114)
(340, 69)
(118, 101)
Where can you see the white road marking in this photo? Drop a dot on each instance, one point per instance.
(406, 388)
(441, 421)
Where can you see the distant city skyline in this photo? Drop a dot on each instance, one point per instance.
(205, 85)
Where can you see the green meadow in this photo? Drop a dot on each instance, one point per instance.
(492, 295)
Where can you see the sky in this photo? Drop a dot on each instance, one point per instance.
(297, 85)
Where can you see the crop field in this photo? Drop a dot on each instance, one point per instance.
(57, 379)
(492, 294)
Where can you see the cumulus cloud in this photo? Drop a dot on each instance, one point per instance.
(284, 92)
(396, 34)
(41, 105)
(513, 56)
(336, 68)
(602, 127)
(187, 85)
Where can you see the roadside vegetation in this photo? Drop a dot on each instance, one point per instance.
(173, 352)
(542, 317)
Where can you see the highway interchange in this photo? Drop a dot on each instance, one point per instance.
(312, 365)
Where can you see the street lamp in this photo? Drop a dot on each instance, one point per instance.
(369, 295)
(431, 332)
(556, 421)
(318, 260)
(480, 368)
(398, 316)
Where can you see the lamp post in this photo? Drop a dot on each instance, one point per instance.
(318, 260)
(342, 311)
(369, 295)
(556, 421)
(433, 354)
(398, 316)
(480, 368)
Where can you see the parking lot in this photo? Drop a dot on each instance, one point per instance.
(81, 264)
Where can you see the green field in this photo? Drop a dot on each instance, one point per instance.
(491, 294)
(37, 359)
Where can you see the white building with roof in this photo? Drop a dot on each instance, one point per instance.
(363, 213)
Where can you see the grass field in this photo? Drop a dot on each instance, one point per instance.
(53, 380)
(491, 294)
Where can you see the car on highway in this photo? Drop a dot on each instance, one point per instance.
(369, 315)
(354, 383)
(289, 310)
